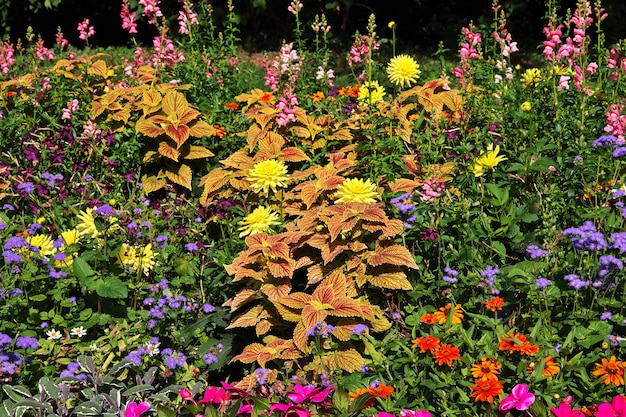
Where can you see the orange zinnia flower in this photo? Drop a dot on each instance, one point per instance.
(488, 369)
(221, 132)
(486, 390)
(426, 343)
(317, 97)
(495, 304)
(381, 390)
(528, 349)
(442, 315)
(232, 106)
(611, 371)
(428, 318)
(513, 344)
(446, 354)
(550, 368)
(358, 393)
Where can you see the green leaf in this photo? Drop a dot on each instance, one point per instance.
(501, 194)
(136, 389)
(82, 270)
(49, 388)
(38, 298)
(17, 392)
(112, 288)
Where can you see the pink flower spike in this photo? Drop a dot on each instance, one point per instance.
(135, 410)
(617, 408)
(520, 399)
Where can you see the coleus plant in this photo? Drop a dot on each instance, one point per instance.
(167, 119)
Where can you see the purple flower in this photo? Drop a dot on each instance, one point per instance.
(208, 308)
(191, 247)
(404, 203)
(105, 211)
(320, 329)
(261, 375)
(26, 187)
(25, 342)
(520, 399)
(450, 275)
(586, 237)
(358, 329)
(210, 358)
(535, 252)
(608, 263)
(607, 315)
(607, 140)
(619, 152)
(542, 282)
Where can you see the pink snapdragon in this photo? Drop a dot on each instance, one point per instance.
(164, 52)
(42, 52)
(287, 64)
(285, 105)
(60, 39)
(553, 39)
(186, 17)
(151, 10)
(328, 75)
(294, 7)
(615, 121)
(360, 50)
(84, 30)
(70, 108)
(90, 129)
(7, 56)
(129, 19)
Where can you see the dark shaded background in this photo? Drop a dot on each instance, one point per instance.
(421, 24)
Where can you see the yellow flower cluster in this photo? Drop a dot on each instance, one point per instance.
(267, 175)
(136, 258)
(355, 190)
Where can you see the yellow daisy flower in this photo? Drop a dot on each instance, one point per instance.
(403, 70)
(355, 190)
(371, 92)
(136, 258)
(260, 220)
(266, 175)
(87, 224)
(487, 160)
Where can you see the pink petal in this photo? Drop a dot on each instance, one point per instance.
(509, 403)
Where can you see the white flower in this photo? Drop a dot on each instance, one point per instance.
(53, 334)
(152, 349)
(78, 331)
(94, 347)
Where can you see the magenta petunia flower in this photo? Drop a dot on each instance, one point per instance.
(135, 410)
(616, 408)
(565, 410)
(520, 399)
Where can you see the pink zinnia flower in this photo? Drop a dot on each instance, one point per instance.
(520, 399)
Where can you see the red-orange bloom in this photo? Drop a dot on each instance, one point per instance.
(513, 343)
(495, 304)
(446, 354)
(221, 132)
(428, 343)
(550, 368)
(487, 369)
(360, 391)
(442, 315)
(611, 371)
(486, 390)
(382, 391)
(528, 349)
(267, 98)
(428, 318)
(232, 106)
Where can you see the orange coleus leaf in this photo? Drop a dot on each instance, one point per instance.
(181, 177)
(198, 152)
(151, 183)
(281, 268)
(391, 280)
(392, 254)
(122, 115)
(404, 185)
(150, 101)
(179, 133)
(349, 360)
(215, 180)
(201, 128)
(250, 318)
(292, 154)
(168, 151)
(148, 128)
(274, 292)
(244, 296)
(99, 68)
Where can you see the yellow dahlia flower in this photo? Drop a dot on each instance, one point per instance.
(531, 76)
(136, 258)
(403, 70)
(268, 174)
(355, 190)
(43, 243)
(260, 220)
(371, 92)
(87, 224)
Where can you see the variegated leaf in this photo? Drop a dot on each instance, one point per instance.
(151, 183)
(198, 152)
(393, 254)
(168, 151)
